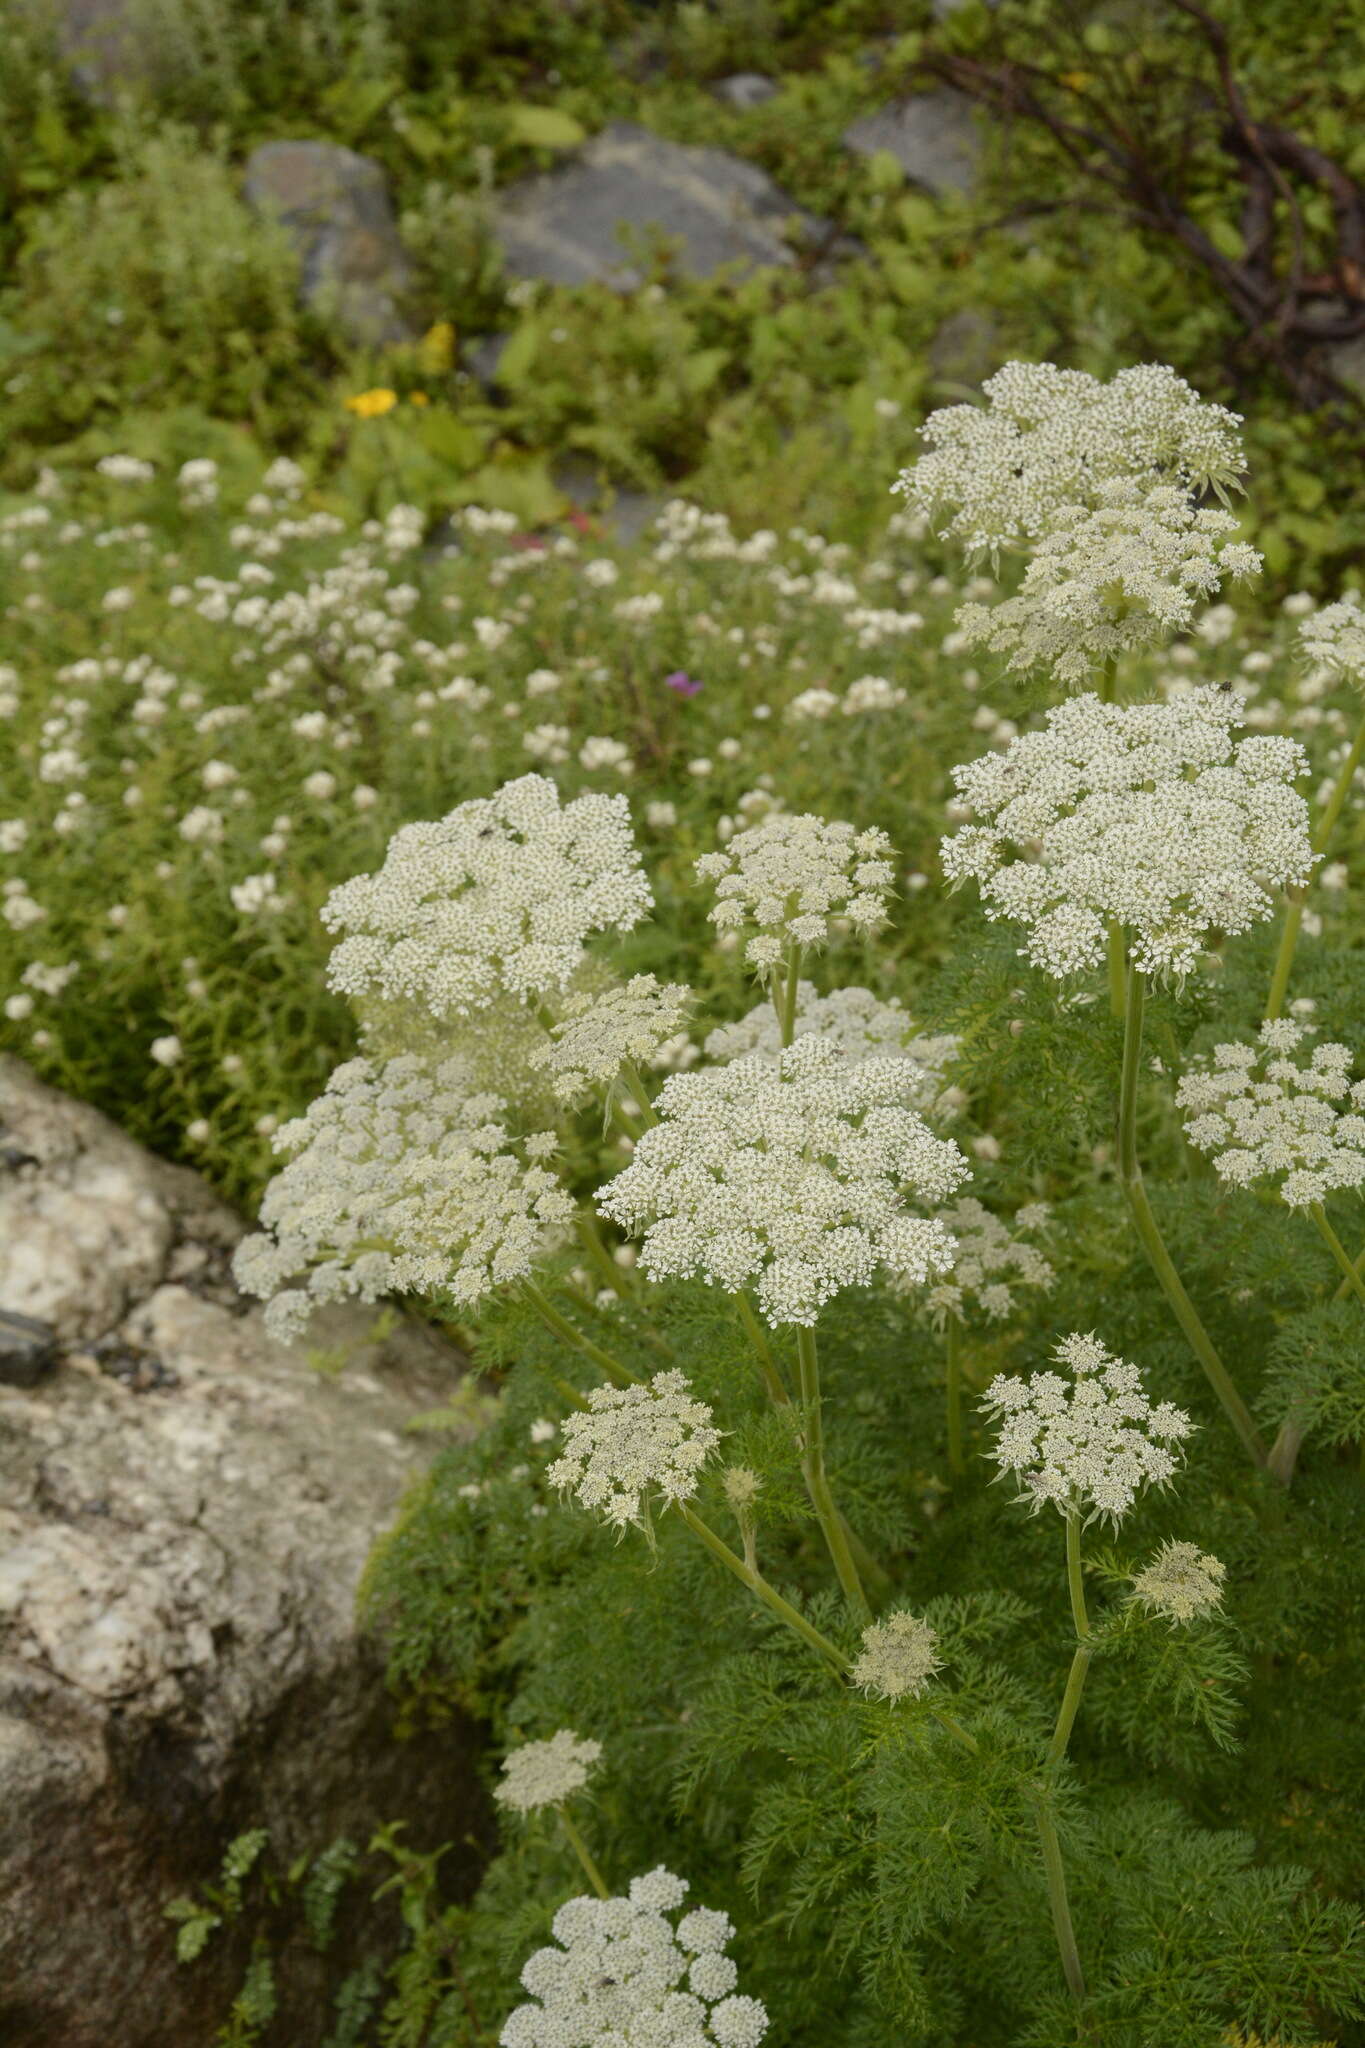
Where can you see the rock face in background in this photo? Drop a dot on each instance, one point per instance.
(563, 227)
(103, 43)
(932, 135)
(335, 207)
(185, 1510)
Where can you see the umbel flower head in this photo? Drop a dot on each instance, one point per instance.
(400, 1178)
(1148, 814)
(790, 874)
(632, 1442)
(792, 1179)
(1181, 1582)
(1049, 438)
(993, 1258)
(622, 1975)
(899, 1657)
(496, 898)
(1125, 575)
(546, 1773)
(1093, 1440)
(1265, 1115)
(862, 1025)
(598, 1032)
(1334, 638)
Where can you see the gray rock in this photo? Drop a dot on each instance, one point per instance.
(105, 45)
(933, 136)
(28, 1350)
(334, 205)
(745, 89)
(965, 350)
(564, 226)
(179, 1558)
(481, 357)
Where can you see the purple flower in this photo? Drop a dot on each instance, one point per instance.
(682, 683)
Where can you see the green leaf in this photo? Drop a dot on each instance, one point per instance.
(353, 102)
(700, 371)
(525, 488)
(544, 127)
(450, 439)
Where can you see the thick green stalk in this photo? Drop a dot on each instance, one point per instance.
(1118, 961)
(590, 1237)
(1358, 1268)
(1057, 1899)
(759, 1586)
(1293, 918)
(580, 1849)
(1080, 1662)
(1130, 1179)
(620, 1375)
(954, 1347)
(1352, 1280)
(813, 1466)
(784, 997)
(630, 1074)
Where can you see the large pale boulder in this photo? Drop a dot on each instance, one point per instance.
(185, 1511)
(334, 205)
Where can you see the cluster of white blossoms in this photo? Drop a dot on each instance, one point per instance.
(1093, 1439)
(546, 1773)
(1261, 1113)
(1151, 815)
(495, 898)
(791, 874)
(862, 1025)
(623, 1976)
(899, 1656)
(1334, 638)
(790, 1178)
(599, 1031)
(632, 1442)
(1181, 1582)
(992, 1259)
(1127, 574)
(1050, 438)
(399, 1178)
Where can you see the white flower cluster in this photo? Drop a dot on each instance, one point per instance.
(862, 1025)
(399, 1178)
(632, 1441)
(992, 1258)
(1180, 1582)
(496, 897)
(1096, 1439)
(791, 874)
(1049, 438)
(546, 1773)
(623, 1976)
(1124, 575)
(899, 1656)
(1262, 1112)
(791, 1178)
(1334, 638)
(1148, 814)
(598, 1033)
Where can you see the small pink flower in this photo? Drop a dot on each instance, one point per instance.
(682, 683)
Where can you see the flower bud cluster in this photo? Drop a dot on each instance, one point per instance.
(992, 1257)
(631, 1442)
(621, 1975)
(1091, 1440)
(899, 1656)
(862, 1025)
(1181, 1582)
(546, 1773)
(790, 1178)
(1263, 1114)
(1149, 815)
(791, 874)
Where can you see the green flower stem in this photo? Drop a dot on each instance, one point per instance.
(763, 1351)
(580, 1848)
(590, 1237)
(1118, 960)
(1130, 1178)
(1080, 1662)
(813, 1466)
(1358, 1268)
(618, 1374)
(631, 1075)
(954, 1347)
(784, 997)
(1351, 1279)
(1057, 1899)
(1289, 937)
(759, 1586)
(1104, 688)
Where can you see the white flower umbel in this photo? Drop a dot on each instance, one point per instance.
(622, 1975)
(497, 897)
(898, 1658)
(1334, 638)
(1048, 438)
(1092, 1440)
(1150, 815)
(400, 1178)
(862, 1025)
(794, 1179)
(1264, 1114)
(600, 1032)
(1126, 575)
(793, 873)
(1181, 1582)
(633, 1442)
(993, 1258)
(545, 1773)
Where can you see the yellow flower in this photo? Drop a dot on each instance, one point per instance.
(418, 398)
(437, 347)
(368, 404)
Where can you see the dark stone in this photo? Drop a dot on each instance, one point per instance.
(28, 1349)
